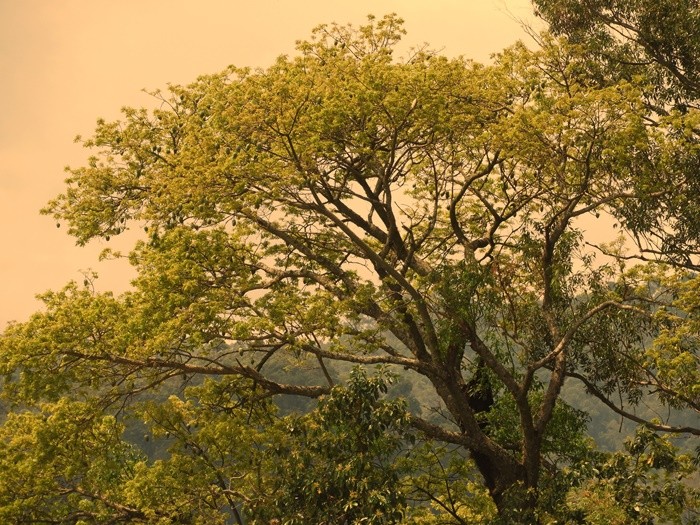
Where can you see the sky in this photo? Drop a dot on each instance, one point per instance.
(65, 63)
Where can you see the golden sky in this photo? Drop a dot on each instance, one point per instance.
(64, 63)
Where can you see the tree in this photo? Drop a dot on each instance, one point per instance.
(660, 43)
(425, 214)
(636, 485)
(46, 474)
(337, 464)
(637, 35)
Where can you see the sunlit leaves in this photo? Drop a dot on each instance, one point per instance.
(348, 206)
(64, 462)
(643, 484)
(337, 464)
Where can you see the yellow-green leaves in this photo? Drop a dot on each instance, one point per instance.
(674, 356)
(348, 206)
(64, 462)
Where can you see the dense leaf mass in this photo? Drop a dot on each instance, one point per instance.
(349, 208)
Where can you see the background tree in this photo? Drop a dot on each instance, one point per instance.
(348, 206)
(338, 463)
(637, 35)
(659, 44)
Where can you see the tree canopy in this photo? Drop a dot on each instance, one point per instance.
(347, 210)
(656, 41)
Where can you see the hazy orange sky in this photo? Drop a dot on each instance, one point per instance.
(64, 63)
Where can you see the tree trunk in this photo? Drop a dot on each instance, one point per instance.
(512, 482)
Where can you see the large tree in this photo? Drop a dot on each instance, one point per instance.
(347, 206)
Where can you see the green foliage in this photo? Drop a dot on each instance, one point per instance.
(675, 351)
(626, 32)
(64, 463)
(644, 485)
(349, 207)
(655, 45)
(336, 464)
(444, 487)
